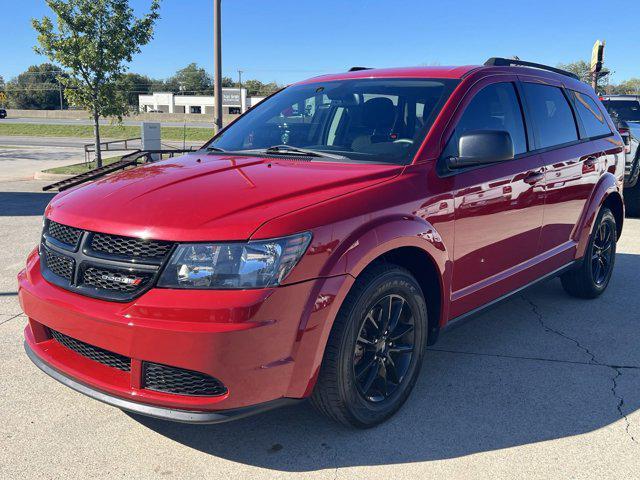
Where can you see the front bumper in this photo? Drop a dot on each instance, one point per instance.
(263, 345)
(183, 416)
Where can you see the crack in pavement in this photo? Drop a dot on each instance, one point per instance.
(534, 359)
(9, 319)
(592, 361)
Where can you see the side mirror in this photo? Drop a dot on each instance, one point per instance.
(481, 147)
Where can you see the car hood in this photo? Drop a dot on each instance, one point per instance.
(208, 197)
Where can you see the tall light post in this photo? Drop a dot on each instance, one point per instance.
(242, 103)
(217, 65)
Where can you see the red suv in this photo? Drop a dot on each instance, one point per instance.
(319, 243)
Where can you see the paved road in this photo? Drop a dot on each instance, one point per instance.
(543, 386)
(21, 157)
(85, 121)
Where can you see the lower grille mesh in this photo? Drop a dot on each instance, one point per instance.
(180, 381)
(96, 354)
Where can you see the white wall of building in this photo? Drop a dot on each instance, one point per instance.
(167, 102)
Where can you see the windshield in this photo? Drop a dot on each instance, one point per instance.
(371, 120)
(627, 110)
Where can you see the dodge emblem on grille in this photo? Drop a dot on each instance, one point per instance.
(125, 280)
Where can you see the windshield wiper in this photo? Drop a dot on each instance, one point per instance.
(215, 149)
(303, 151)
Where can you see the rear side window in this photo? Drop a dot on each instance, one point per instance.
(495, 107)
(551, 115)
(590, 115)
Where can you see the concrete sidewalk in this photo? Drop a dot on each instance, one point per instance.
(543, 386)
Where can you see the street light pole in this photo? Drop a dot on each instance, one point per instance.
(242, 103)
(217, 65)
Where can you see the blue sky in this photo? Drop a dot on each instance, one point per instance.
(288, 40)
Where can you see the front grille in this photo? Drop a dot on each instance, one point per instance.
(114, 280)
(130, 247)
(63, 233)
(180, 381)
(60, 265)
(96, 354)
(100, 265)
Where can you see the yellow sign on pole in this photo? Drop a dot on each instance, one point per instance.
(3, 97)
(597, 56)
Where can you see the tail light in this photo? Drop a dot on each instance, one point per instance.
(626, 138)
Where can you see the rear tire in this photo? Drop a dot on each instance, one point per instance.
(369, 370)
(592, 277)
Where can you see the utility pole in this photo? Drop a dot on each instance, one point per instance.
(217, 65)
(60, 92)
(242, 105)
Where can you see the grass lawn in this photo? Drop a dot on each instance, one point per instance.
(106, 131)
(78, 168)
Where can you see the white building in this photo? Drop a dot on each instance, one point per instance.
(234, 100)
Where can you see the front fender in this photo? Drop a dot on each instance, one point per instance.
(362, 247)
(607, 185)
(376, 238)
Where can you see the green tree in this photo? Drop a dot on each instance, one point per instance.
(227, 82)
(581, 68)
(191, 80)
(95, 39)
(628, 87)
(37, 88)
(135, 84)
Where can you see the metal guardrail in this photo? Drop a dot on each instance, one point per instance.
(109, 147)
(130, 160)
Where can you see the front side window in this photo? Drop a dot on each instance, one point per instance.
(590, 115)
(495, 107)
(551, 115)
(371, 120)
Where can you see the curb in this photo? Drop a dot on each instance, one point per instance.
(50, 176)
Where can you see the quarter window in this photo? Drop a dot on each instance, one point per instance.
(590, 115)
(551, 115)
(495, 107)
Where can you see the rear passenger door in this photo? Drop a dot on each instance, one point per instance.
(572, 163)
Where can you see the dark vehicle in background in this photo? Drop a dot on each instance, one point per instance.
(3, 113)
(625, 112)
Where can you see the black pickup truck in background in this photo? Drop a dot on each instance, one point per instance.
(625, 112)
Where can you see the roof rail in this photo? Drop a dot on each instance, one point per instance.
(507, 62)
(357, 69)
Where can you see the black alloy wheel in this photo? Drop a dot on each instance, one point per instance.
(603, 251)
(373, 356)
(591, 276)
(384, 348)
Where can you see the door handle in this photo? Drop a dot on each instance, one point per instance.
(533, 177)
(590, 161)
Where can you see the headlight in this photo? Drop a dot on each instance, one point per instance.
(256, 264)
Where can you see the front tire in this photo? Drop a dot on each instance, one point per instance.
(591, 279)
(375, 349)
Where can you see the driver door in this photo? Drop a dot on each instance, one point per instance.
(498, 207)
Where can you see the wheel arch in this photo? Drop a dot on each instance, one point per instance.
(408, 242)
(606, 192)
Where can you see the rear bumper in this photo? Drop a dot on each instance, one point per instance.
(183, 416)
(263, 345)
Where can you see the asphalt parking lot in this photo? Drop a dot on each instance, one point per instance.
(542, 386)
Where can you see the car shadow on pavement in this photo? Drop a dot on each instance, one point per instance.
(539, 367)
(23, 204)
